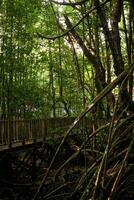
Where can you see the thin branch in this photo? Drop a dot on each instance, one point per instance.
(69, 3)
(73, 156)
(73, 27)
(123, 166)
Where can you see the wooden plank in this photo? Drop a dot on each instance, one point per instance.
(19, 145)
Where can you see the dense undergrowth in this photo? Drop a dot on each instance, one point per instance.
(97, 165)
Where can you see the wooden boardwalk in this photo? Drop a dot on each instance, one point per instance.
(16, 134)
(19, 145)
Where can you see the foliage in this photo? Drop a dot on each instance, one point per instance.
(56, 58)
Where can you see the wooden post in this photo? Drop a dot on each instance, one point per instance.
(9, 133)
(14, 130)
(17, 134)
(31, 133)
(29, 130)
(2, 132)
(45, 128)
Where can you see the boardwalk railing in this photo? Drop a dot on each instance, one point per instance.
(13, 131)
(21, 130)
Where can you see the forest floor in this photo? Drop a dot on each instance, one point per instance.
(22, 172)
(96, 165)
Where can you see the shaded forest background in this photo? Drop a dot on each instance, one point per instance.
(69, 59)
(55, 57)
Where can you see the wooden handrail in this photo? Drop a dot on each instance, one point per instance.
(21, 130)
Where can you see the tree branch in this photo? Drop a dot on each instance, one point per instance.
(109, 36)
(69, 3)
(115, 19)
(73, 27)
